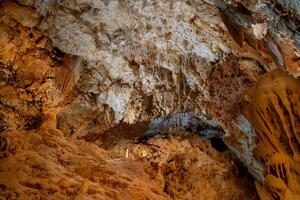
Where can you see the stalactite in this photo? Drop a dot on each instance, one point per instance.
(275, 116)
(68, 75)
(240, 24)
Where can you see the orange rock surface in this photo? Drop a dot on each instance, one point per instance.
(275, 115)
(44, 164)
(40, 161)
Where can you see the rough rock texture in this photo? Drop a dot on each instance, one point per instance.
(26, 90)
(291, 5)
(43, 163)
(139, 60)
(142, 59)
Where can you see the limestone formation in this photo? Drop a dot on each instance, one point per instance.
(43, 163)
(275, 117)
(109, 70)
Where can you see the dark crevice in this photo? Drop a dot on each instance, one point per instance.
(33, 122)
(218, 144)
(3, 143)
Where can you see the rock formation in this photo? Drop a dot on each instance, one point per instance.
(108, 71)
(43, 163)
(275, 116)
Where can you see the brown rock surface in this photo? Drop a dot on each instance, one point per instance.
(27, 16)
(43, 163)
(139, 61)
(26, 86)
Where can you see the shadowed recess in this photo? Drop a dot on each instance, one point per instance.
(218, 144)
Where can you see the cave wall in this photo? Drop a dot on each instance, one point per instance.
(139, 60)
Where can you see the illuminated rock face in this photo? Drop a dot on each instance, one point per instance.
(134, 70)
(275, 116)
